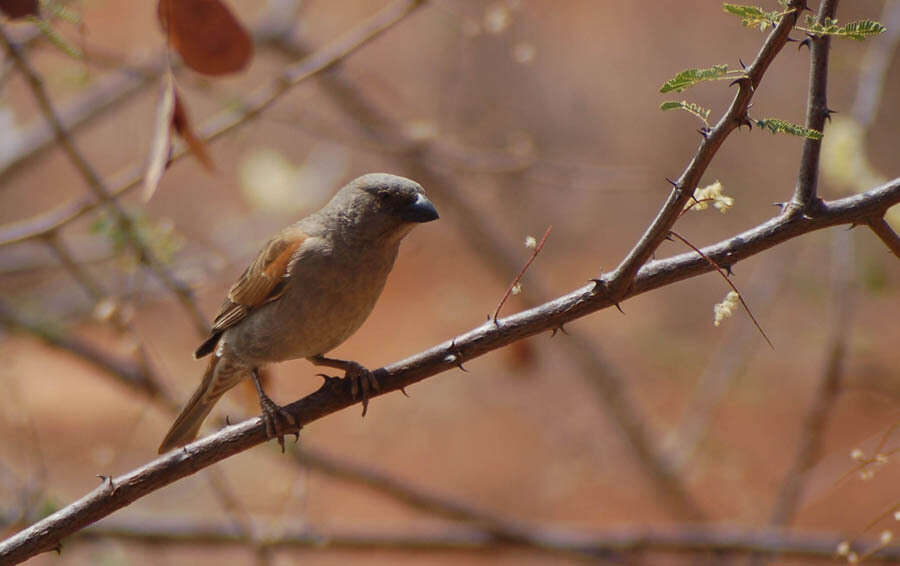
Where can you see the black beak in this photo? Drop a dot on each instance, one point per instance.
(422, 210)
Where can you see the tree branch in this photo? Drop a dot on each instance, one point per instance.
(115, 493)
(805, 195)
(887, 234)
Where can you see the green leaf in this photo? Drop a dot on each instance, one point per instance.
(754, 16)
(858, 30)
(776, 126)
(689, 77)
(693, 108)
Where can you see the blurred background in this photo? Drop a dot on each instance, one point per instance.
(515, 115)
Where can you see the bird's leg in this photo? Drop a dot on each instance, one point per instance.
(275, 416)
(362, 381)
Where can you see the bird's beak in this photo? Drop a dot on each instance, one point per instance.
(422, 210)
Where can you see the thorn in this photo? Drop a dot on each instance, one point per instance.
(727, 268)
(669, 237)
(57, 548)
(704, 131)
(806, 42)
(828, 113)
(741, 81)
(560, 328)
(619, 308)
(852, 226)
(102, 478)
(741, 61)
(791, 40)
(456, 360)
(227, 420)
(403, 390)
(671, 182)
(746, 121)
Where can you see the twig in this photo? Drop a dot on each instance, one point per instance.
(817, 111)
(731, 284)
(887, 234)
(98, 187)
(518, 278)
(123, 490)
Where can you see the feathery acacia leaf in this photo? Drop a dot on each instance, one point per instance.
(858, 30)
(691, 107)
(689, 77)
(776, 126)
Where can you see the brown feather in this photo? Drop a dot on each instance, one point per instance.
(260, 283)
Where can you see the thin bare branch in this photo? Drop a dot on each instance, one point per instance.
(886, 233)
(731, 284)
(817, 111)
(518, 278)
(118, 492)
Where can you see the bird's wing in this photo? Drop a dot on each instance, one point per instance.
(262, 282)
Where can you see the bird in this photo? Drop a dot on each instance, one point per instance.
(311, 286)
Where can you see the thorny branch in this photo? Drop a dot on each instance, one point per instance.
(118, 492)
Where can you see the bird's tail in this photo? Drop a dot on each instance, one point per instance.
(220, 376)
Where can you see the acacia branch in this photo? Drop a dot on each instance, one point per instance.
(115, 493)
(805, 194)
(887, 234)
(618, 282)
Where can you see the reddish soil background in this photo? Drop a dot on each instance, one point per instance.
(522, 433)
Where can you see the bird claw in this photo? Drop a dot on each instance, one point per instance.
(362, 383)
(278, 420)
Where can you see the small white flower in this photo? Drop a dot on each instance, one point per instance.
(711, 194)
(897, 515)
(726, 308)
(858, 455)
(843, 549)
(886, 537)
(517, 288)
(530, 242)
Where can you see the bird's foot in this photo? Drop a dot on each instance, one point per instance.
(278, 420)
(362, 381)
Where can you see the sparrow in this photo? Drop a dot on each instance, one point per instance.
(309, 289)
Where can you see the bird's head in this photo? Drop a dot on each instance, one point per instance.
(380, 206)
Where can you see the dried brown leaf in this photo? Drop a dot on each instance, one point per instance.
(162, 138)
(15, 9)
(206, 34)
(182, 125)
